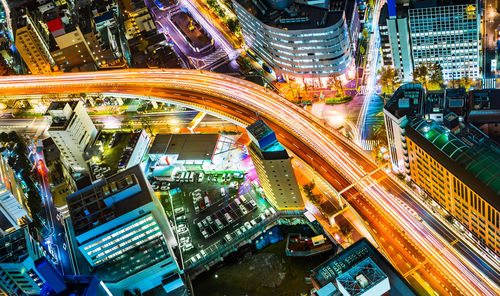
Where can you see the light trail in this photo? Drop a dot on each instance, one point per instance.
(328, 150)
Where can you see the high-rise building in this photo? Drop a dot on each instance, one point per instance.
(118, 229)
(395, 39)
(274, 168)
(71, 129)
(13, 210)
(18, 252)
(406, 102)
(309, 40)
(447, 33)
(434, 142)
(33, 46)
(459, 167)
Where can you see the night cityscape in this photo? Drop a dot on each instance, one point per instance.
(249, 147)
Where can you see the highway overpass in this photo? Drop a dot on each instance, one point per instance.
(416, 250)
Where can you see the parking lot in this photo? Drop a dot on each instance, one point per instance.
(210, 213)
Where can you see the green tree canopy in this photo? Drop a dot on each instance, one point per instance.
(390, 79)
(430, 75)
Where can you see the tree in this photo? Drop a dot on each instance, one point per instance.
(335, 82)
(146, 124)
(429, 74)
(233, 25)
(436, 75)
(346, 230)
(390, 79)
(465, 82)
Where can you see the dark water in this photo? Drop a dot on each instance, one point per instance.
(265, 272)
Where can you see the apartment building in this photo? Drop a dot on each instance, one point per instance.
(33, 46)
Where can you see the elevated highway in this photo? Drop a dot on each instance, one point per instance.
(415, 249)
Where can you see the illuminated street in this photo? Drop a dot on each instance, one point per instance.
(416, 248)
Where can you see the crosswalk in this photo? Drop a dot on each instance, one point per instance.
(363, 90)
(489, 83)
(211, 61)
(369, 145)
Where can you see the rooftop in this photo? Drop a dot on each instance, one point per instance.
(437, 3)
(59, 105)
(468, 153)
(362, 277)
(291, 15)
(108, 199)
(407, 100)
(187, 146)
(13, 248)
(330, 270)
(484, 99)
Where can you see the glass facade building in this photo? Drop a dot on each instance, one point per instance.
(118, 229)
(303, 41)
(448, 35)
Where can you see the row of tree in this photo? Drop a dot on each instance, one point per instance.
(430, 75)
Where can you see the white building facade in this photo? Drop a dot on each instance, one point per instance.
(12, 199)
(297, 46)
(72, 130)
(448, 35)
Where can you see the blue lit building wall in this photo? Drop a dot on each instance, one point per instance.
(309, 53)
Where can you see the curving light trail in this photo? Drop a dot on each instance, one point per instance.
(242, 102)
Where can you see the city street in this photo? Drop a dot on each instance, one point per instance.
(207, 60)
(56, 239)
(417, 249)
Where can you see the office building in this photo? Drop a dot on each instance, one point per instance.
(395, 39)
(406, 103)
(71, 129)
(435, 140)
(459, 167)
(447, 33)
(359, 270)
(274, 168)
(13, 204)
(18, 252)
(118, 229)
(307, 40)
(33, 45)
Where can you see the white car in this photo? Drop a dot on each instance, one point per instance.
(247, 225)
(253, 203)
(187, 247)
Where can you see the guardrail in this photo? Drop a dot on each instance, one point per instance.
(257, 229)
